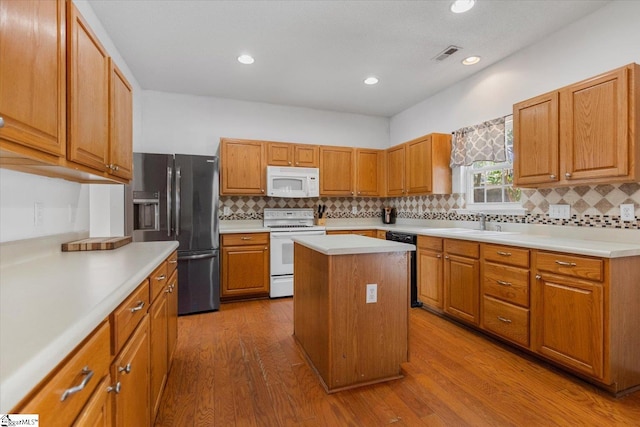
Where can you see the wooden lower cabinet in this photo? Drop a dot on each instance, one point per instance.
(245, 266)
(172, 313)
(430, 272)
(159, 368)
(462, 280)
(98, 411)
(130, 372)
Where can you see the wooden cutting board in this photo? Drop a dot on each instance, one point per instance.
(96, 244)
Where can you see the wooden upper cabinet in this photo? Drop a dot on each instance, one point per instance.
(295, 155)
(336, 171)
(594, 125)
(121, 122)
(584, 133)
(535, 139)
(242, 167)
(88, 106)
(418, 163)
(396, 171)
(369, 172)
(33, 75)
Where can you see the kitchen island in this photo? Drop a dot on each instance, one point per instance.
(351, 308)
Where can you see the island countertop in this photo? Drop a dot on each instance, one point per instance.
(349, 244)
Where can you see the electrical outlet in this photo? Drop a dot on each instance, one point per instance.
(372, 293)
(226, 210)
(38, 214)
(627, 212)
(559, 211)
(354, 210)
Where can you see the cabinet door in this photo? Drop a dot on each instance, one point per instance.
(368, 176)
(245, 270)
(535, 140)
(279, 154)
(569, 318)
(89, 69)
(430, 278)
(33, 74)
(172, 312)
(159, 349)
(336, 171)
(242, 166)
(396, 171)
(306, 156)
(594, 126)
(419, 175)
(131, 370)
(461, 288)
(121, 122)
(97, 411)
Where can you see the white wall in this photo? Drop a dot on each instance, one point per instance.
(607, 39)
(177, 123)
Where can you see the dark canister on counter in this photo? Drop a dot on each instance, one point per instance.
(389, 215)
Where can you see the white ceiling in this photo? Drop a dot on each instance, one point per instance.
(316, 53)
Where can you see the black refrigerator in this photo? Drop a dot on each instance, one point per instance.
(175, 197)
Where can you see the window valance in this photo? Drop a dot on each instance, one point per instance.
(482, 142)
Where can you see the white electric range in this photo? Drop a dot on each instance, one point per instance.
(285, 224)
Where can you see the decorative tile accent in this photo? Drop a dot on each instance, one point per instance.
(591, 206)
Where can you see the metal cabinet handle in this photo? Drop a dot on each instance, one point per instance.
(538, 277)
(438, 256)
(161, 277)
(503, 253)
(568, 175)
(246, 238)
(173, 261)
(262, 190)
(289, 163)
(552, 176)
(503, 283)
(168, 290)
(446, 257)
(68, 392)
(138, 307)
(504, 320)
(566, 264)
(126, 369)
(169, 202)
(114, 388)
(178, 199)
(1, 122)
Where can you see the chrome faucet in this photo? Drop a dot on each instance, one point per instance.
(483, 221)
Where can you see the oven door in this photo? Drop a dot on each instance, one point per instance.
(282, 250)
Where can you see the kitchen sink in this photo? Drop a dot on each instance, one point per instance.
(471, 231)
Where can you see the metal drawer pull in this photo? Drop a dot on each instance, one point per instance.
(161, 277)
(173, 261)
(68, 392)
(114, 388)
(504, 253)
(566, 264)
(504, 320)
(503, 283)
(538, 277)
(1, 122)
(126, 369)
(245, 238)
(138, 307)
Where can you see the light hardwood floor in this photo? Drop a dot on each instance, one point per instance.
(240, 366)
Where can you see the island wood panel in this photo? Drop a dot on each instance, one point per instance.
(347, 341)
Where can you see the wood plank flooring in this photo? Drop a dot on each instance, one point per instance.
(241, 367)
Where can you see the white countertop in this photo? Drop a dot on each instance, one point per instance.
(349, 244)
(50, 304)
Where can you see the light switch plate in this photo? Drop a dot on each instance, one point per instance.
(227, 211)
(560, 211)
(627, 212)
(372, 293)
(354, 210)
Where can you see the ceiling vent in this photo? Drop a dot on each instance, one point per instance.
(447, 53)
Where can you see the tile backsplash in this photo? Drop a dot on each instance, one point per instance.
(591, 206)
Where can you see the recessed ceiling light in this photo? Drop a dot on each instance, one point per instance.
(471, 60)
(370, 81)
(246, 59)
(461, 6)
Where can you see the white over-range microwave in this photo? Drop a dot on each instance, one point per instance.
(293, 182)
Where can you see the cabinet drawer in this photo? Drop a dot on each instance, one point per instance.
(462, 247)
(433, 243)
(245, 239)
(506, 320)
(510, 284)
(172, 263)
(93, 355)
(506, 255)
(571, 265)
(366, 233)
(157, 281)
(126, 317)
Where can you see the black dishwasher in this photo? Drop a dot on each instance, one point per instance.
(411, 239)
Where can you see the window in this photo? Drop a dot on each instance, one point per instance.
(490, 184)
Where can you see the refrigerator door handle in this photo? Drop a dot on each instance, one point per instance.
(178, 176)
(199, 256)
(169, 179)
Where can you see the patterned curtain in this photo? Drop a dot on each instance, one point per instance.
(477, 143)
